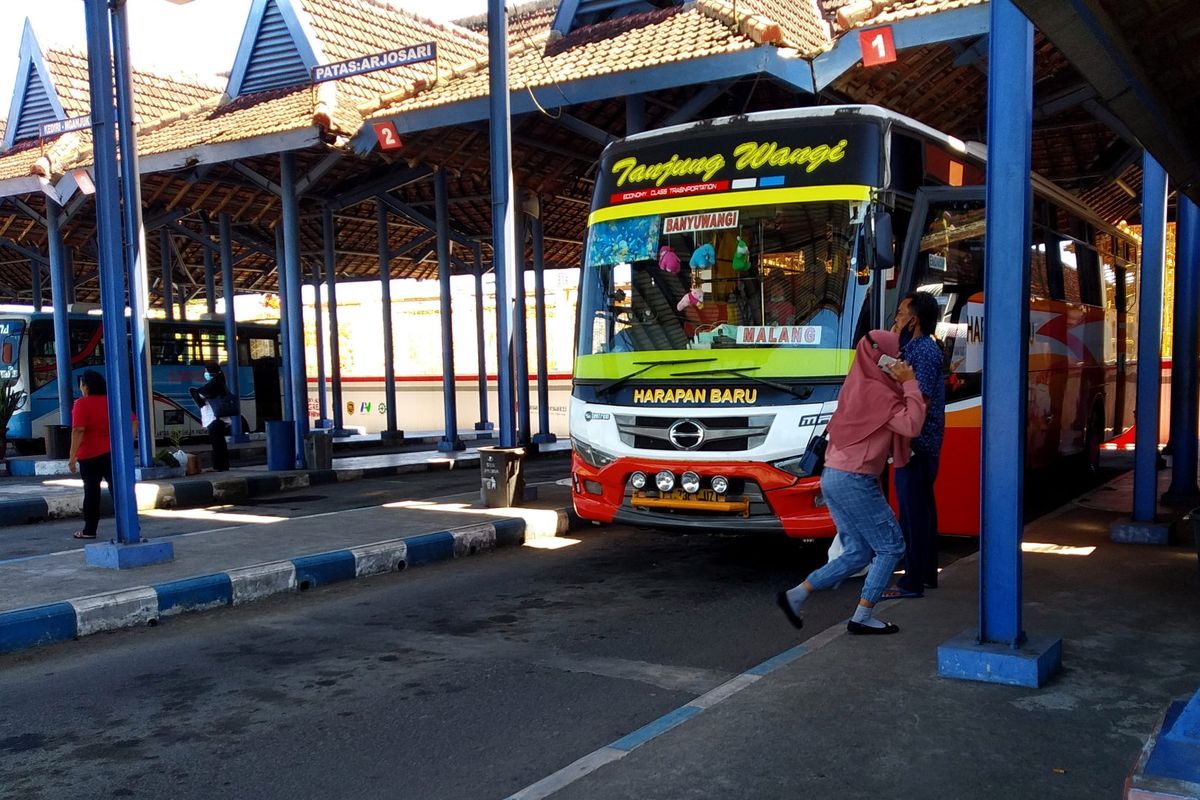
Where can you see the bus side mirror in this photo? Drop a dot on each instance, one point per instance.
(885, 242)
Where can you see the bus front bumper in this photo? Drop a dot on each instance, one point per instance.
(761, 499)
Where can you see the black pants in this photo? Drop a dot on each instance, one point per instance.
(918, 520)
(220, 451)
(92, 470)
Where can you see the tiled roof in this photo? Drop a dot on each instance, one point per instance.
(524, 21)
(154, 96)
(638, 41)
(864, 13)
(800, 22)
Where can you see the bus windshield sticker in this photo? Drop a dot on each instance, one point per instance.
(690, 223)
(779, 334)
(624, 241)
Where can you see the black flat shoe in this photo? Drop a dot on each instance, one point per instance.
(788, 611)
(859, 629)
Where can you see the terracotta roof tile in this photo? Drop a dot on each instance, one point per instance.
(628, 43)
(524, 21)
(800, 22)
(865, 13)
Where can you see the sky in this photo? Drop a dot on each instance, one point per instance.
(200, 37)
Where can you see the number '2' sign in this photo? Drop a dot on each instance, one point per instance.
(877, 46)
(389, 138)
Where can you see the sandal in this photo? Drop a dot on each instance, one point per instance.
(83, 535)
(896, 593)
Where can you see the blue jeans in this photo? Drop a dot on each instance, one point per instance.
(868, 528)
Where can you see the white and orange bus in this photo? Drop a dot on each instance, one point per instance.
(732, 264)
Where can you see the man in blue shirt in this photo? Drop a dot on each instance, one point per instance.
(916, 323)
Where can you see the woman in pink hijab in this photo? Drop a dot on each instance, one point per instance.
(880, 410)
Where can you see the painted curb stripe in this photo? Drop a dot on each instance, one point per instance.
(509, 531)
(20, 512)
(775, 662)
(115, 610)
(324, 568)
(656, 728)
(193, 493)
(30, 627)
(194, 594)
(430, 547)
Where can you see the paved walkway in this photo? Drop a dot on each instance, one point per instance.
(24, 500)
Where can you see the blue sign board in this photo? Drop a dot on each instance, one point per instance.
(411, 54)
(66, 125)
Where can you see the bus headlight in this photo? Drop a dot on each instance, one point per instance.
(720, 484)
(638, 480)
(594, 457)
(690, 482)
(665, 481)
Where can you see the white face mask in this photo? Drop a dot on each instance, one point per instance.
(207, 376)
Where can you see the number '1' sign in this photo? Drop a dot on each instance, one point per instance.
(877, 46)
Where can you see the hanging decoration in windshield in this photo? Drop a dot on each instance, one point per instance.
(736, 158)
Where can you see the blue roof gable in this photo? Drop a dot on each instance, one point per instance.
(275, 50)
(34, 100)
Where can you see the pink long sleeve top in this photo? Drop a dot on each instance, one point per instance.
(868, 457)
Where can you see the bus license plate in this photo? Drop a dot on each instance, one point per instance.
(707, 495)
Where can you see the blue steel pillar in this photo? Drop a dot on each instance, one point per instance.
(228, 289)
(449, 441)
(329, 234)
(68, 274)
(291, 254)
(111, 269)
(543, 436)
(58, 296)
(481, 344)
(1000, 652)
(385, 298)
(135, 240)
(521, 333)
(322, 396)
(210, 271)
(168, 290)
(503, 227)
(35, 273)
(1184, 394)
(1149, 367)
(285, 356)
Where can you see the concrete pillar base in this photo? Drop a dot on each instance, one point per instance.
(484, 426)
(1169, 766)
(545, 438)
(1126, 531)
(1031, 664)
(391, 437)
(112, 555)
(450, 445)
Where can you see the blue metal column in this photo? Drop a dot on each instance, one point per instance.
(210, 277)
(319, 346)
(503, 247)
(1149, 345)
(291, 255)
(168, 290)
(228, 289)
(35, 273)
(135, 240)
(480, 344)
(635, 114)
(543, 436)
(449, 441)
(285, 356)
(1006, 311)
(58, 296)
(385, 298)
(68, 276)
(1184, 394)
(329, 234)
(111, 267)
(521, 333)
(999, 650)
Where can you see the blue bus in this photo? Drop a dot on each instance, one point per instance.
(178, 352)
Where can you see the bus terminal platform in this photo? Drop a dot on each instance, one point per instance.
(28, 499)
(833, 716)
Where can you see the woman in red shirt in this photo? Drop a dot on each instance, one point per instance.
(91, 449)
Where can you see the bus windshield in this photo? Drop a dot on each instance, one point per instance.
(776, 275)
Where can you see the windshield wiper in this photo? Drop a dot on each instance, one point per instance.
(645, 367)
(801, 394)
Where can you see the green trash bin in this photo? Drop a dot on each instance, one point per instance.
(502, 476)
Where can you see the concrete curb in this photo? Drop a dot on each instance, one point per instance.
(195, 492)
(24, 628)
